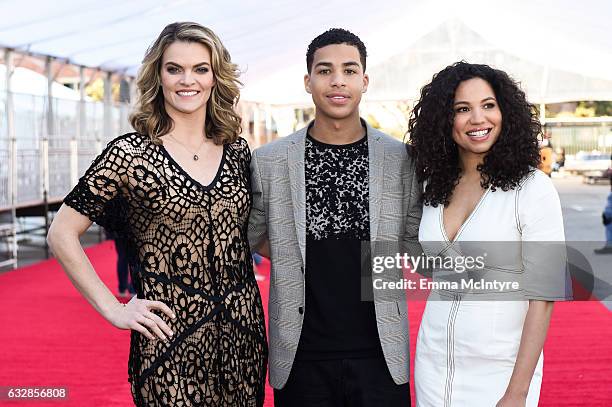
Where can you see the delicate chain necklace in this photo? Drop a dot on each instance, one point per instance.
(195, 153)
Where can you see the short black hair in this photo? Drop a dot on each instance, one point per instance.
(336, 36)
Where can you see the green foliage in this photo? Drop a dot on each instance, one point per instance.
(603, 108)
(594, 109)
(95, 90)
(582, 109)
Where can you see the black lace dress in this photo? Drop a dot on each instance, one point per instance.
(187, 248)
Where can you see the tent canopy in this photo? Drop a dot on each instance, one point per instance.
(559, 50)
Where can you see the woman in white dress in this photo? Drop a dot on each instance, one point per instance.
(475, 139)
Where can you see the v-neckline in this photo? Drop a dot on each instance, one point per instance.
(192, 179)
(465, 222)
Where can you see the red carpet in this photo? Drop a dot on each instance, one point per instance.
(50, 336)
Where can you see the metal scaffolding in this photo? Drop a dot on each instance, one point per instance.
(8, 227)
(46, 143)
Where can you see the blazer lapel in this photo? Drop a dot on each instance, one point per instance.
(376, 151)
(295, 160)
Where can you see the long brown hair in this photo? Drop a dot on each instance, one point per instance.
(150, 116)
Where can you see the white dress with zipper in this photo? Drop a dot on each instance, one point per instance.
(466, 349)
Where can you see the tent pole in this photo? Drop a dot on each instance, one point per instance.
(124, 101)
(256, 125)
(268, 112)
(80, 133)
(244, 122)
(45, 147)
(543, 94)
(12, 147)
(108, 121)
(108, 100)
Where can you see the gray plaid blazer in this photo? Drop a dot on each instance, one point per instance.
(279, 214)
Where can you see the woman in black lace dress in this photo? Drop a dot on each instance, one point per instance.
(178, 190)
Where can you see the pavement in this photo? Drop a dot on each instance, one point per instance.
(582, 205)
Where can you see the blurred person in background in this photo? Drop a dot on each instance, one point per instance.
(559, 159)
(607, 222)
(178, 191)
(546, 154)
(126, 289)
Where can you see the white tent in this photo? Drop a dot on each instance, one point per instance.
(559, 49)
(26, 81)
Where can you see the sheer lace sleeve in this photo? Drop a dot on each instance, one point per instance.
(245, 159)
(187, 247)
(97, 195)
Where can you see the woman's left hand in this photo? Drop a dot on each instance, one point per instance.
(512, 400)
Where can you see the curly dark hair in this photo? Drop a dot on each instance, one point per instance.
(510, 159)
(336, 36)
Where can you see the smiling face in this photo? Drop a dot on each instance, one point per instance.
(336, 82)
(478, 119)
(186, 77)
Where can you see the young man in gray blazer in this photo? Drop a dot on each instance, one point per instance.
(317, 195)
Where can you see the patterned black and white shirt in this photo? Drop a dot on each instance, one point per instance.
(338, 324)
(337, 190)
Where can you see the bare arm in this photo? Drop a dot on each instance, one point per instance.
(63, 238)
(535, 329)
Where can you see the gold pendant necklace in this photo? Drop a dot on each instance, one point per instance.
(195, 153)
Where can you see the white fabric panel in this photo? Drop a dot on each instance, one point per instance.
(559, 49)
